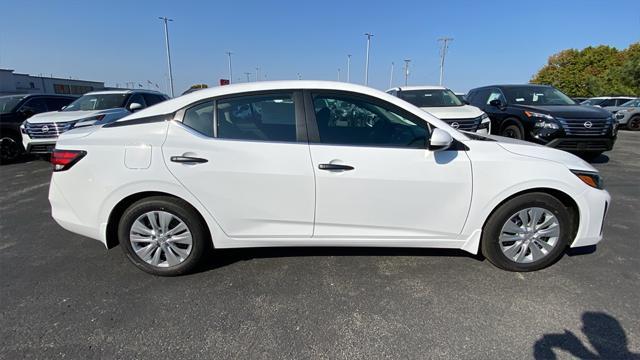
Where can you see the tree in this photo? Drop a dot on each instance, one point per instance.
(199, 86)
(593, 71)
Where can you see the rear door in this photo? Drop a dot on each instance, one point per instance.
(374, 176)
(246, 158)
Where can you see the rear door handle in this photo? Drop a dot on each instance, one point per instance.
(335, 167)
(188, 160)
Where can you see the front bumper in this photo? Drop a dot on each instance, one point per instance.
(582, 144)
(38, 146)
(594, 205)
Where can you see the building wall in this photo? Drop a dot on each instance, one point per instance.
(13, 83)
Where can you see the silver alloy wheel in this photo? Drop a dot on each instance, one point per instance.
(160, 239)
(529, 235)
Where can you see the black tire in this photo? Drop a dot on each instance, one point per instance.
(201, 238)
(490, 244)
(634, 123)
(11, 149)
(512, 131)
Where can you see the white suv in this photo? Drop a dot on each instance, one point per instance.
(40, 132)
(446, 106)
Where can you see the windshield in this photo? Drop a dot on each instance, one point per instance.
(536, 95)
(430, 98)
(97, 102)
(8, 103)
(592, 102)
(632, 103)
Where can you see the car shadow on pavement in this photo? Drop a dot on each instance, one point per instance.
(600, 159)
(604, 333)
(224, 257)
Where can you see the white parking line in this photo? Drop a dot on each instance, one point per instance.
(23, 191)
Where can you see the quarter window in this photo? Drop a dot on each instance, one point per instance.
(260, 117)
(344, 120)
(200, 118)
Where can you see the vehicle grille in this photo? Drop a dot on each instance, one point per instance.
(47, 130)
(576, 145)
(41, 148)
(463, 124)
(585, 127)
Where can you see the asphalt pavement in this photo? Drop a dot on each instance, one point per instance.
(65, 296)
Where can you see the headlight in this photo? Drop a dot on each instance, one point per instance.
(532, 114)
(484, 121)
(23, 127)
(590, 178)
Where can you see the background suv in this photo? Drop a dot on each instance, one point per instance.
(605, 101)
(14, 109)
(543, 114)
(40, 132)
(446, 106)
(627, 114)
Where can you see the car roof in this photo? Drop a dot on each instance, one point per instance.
(418, 87)
(610, 97)
(24, 96)
(511, 86)
(129, 91)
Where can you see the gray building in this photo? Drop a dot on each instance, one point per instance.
(14, 83)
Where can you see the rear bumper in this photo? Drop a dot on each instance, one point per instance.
(582, 144)
(65, 216)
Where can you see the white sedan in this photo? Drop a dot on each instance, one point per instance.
(312, 163)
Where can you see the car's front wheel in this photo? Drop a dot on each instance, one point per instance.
(634, 123)
(163, 236)
(10, 149)
(513, 131)
(527, 233)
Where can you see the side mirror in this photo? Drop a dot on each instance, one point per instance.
(496, 102)
(27, 112)
(440, 140)
(133, 107)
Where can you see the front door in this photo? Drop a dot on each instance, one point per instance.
(374, 176)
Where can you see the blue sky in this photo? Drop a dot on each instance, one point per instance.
(119, 41)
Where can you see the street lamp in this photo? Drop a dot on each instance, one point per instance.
(391, 76)
(443, 52)
(230, 72)
(406, 71)
(166, 39)
(366, 64)
(349, 68)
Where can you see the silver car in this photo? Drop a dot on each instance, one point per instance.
(627, 114)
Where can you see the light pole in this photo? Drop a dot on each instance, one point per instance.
(166, 39)
(299, 76)
(443, 52)
(230, 72)
(257, 73)
(391, 76)
(338, 74)
(366, 63)
(349, 68)
(248, 74)
(406, 71)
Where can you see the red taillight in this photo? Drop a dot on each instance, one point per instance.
(64, 159)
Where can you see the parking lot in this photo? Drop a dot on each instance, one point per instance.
(66, 296)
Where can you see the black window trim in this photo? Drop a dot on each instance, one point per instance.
(299, 113)
(312, 125)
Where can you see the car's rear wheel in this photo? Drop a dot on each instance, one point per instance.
(634, 123)
(163, 236)
(512, 131)
(527, 233)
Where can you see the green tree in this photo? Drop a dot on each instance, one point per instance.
(593, 71)
(199, 86)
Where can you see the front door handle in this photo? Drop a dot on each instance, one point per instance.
(335, 167)
(188, 160)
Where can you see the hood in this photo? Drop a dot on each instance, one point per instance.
(63, 116)
(526, 148)
(454, 112)
(76, 133)
(568, 111)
